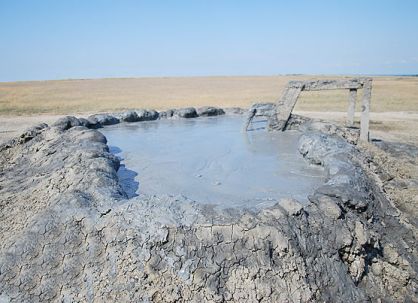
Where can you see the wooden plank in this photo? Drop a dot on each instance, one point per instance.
(250, 117)
(352, 97)
(285, 106)
(365, 109)
(333, 84)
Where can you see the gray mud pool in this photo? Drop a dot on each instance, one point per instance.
(210, 160)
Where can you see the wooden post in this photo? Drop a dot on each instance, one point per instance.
(352, 98)
(365, 109)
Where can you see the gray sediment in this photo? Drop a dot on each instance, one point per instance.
(70, 233)
(210, 160)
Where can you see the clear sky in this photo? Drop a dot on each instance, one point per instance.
(109, 38)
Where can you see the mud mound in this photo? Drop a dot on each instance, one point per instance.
(68, 232)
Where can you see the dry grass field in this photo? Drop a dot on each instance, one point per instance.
(45, 100)
(80, 96)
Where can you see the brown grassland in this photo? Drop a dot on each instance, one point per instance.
(80, 97)
(98, 95)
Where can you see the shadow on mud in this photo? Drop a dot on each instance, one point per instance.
(125, 175)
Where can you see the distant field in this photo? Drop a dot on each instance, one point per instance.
(81, 96)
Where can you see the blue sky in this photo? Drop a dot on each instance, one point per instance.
(104, 38)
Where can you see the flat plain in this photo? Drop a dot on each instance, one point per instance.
(394, 99)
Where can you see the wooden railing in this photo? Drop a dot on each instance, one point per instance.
(284, 106)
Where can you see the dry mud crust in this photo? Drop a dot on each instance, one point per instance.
(69, 234)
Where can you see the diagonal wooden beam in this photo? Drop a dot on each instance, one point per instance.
(285, 106)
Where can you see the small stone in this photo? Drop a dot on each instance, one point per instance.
(129, 116)
(391, 254)
(377, 268)
(292, 206)
(147, 115)
(104, 119)
(329, 207)
(188, 112)
(207, 111)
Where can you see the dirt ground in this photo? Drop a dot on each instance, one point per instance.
(390, 126)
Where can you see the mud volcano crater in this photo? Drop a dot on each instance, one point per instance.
(76, 227)
(211, 160)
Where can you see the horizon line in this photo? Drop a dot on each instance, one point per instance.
(214, 76)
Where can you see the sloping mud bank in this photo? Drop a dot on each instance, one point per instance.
(69, 233)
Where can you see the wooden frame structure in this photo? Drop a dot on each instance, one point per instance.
(285, 105)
